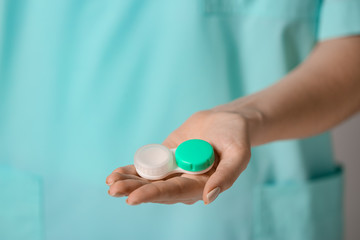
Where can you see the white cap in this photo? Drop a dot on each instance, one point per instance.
(154, 161)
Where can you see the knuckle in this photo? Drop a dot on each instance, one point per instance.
(119, 170)
(247, 153)
(118, 176)
(240, 119)
(228, 178)
(179, 187)
(157, 189)
(121, 187)
(228, 183)
(200, 114)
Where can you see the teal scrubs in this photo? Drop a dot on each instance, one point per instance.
(84, 83)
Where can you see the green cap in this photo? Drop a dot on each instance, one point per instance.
(194, 155)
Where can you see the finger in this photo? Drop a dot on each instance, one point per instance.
(176, 189)
(187, 202)
(233, 161)
(129, 169)
(115, 176)
(170, 142)
(125, 187)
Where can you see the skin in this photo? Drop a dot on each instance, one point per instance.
(317, 95)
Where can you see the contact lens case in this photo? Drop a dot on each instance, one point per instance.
(156, 161)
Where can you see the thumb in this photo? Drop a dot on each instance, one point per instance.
(232, 163)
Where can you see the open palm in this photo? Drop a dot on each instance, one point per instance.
(227, 132)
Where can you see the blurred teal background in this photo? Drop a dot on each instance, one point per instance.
(83, 84)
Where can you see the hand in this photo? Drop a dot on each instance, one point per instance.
(227, 132)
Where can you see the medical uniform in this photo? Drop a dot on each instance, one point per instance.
(84, 83)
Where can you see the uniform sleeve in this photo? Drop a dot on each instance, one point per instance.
(339, 18)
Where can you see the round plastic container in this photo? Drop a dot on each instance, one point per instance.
(155, 161)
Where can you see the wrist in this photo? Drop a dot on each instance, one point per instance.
(252, 116)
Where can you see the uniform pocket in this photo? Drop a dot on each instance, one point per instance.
(309, 210)
(20, 205)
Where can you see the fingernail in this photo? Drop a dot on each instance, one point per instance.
(109, 183)
(133, 203)
(212, 195)
(111, 193)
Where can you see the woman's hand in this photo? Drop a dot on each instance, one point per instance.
(227, 132)
(314, 97)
